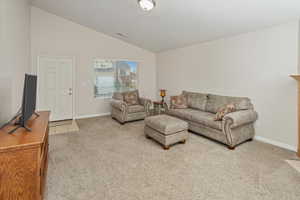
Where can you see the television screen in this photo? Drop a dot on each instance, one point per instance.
(29, 98)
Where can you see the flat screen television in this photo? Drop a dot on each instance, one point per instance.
(28, 103)
(29, 99)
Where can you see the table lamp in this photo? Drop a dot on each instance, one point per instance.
(162, 94)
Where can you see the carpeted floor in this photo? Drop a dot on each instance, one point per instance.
(295, 164)
(62, 127)
(107, 161)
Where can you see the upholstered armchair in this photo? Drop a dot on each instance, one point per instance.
(128, 106)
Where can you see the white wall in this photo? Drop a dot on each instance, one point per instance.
(54, 36)
(299, 49)
(255, 65)
(15, 54)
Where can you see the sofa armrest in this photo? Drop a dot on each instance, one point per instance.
(121, 105)
(240, 118)
(146, 103)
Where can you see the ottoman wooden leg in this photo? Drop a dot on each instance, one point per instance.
(166, 147)
(231, 148)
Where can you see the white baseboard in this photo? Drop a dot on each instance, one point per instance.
(279, 144)
(91, 116)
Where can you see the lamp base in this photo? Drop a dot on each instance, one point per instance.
(162, 100)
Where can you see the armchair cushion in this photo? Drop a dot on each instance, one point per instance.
(240, 118)
(136, 108)
(131, 97)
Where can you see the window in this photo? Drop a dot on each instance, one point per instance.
(114, 76)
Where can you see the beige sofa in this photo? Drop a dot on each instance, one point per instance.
(123, 112)
(235, 128)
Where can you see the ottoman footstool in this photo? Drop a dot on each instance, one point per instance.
(166, 130)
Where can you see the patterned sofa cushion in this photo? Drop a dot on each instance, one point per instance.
(195, 100)
(197, 116)
(136, 108)
(184, 114)
(207, 119)
(215, 102)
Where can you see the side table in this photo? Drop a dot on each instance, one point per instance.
(159, 107)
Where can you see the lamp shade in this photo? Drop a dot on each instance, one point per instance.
(163, 92)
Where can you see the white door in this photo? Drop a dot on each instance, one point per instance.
(55, 83)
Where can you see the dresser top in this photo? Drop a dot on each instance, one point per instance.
(23, 138)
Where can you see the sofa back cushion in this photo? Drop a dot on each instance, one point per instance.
(216, 102)
(195, 100)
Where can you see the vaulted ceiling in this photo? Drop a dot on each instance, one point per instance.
(173, 23)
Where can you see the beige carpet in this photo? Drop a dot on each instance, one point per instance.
(107, 161)
(60, 127)
(295, 164)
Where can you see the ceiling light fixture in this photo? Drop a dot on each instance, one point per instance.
(147, 5)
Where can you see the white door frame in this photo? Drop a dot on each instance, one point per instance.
(73, 78)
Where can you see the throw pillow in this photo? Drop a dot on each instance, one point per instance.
(131, 98)
(178, 102)
(223, 111)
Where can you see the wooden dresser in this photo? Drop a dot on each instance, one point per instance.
(24, 160)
